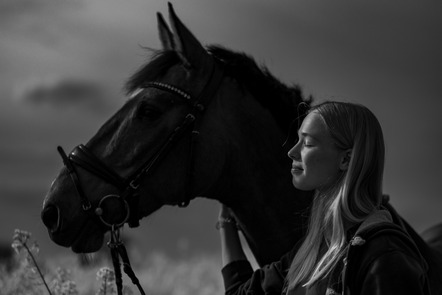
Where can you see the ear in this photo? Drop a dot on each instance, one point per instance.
(166, 36)
(345, 159)
(191, 52)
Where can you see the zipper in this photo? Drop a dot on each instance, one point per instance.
(344, 272)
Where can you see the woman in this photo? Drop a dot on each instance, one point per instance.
(352, 246)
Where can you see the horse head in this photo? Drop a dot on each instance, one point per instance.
(189, 129)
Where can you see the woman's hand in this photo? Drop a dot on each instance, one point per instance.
(225, 212)
(231, 247)
(225, 218)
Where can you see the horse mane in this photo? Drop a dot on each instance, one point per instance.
(286, 103)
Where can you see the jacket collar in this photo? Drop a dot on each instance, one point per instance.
(374, 219)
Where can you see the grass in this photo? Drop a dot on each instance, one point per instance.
(64, 275)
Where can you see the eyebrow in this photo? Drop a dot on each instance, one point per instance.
(304, 134)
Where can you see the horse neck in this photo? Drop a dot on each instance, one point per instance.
(271, 212)
(259, 190)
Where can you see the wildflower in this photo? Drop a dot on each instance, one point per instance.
(69, 288)
(62, 275)
(105, 273)
(62, 285)
(107, 277)
(20, 241)
(108, 286)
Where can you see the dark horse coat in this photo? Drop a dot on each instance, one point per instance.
(380, 259)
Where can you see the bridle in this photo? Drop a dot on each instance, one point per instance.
(128, 198)
(83, 157)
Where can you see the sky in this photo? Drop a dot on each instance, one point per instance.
(63, 65)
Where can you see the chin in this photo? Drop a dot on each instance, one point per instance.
(88, 244)
(302, 186)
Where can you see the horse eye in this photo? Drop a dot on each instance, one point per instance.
(149, 112)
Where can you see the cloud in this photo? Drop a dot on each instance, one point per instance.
(64, 93)
(10, 9)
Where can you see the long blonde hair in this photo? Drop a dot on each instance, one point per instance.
(356, 194)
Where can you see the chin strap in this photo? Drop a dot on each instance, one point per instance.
(118, 250)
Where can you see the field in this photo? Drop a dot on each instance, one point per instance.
(67, 275)
(174, 251)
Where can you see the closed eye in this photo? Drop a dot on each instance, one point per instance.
(307, 144)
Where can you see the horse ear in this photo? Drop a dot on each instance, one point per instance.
(166, 35)
(186, 45)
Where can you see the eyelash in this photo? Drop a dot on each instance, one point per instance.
(305, 143)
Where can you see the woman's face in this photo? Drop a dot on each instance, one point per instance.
(317, 162)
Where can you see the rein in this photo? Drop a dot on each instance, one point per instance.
(128, 199)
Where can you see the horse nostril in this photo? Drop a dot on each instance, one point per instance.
(51, 218)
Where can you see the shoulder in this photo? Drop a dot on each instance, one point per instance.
(378, 235)
(383, 238)
(383, 256)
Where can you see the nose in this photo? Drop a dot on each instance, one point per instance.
(51, 218)
(294, 153)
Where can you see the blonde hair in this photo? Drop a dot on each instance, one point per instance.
(356, 194)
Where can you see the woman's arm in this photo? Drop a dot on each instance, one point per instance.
(231, 248)
(239, 277)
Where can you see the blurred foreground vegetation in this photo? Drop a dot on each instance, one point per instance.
(74, 275)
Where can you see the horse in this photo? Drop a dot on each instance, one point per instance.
(232, 119)
(199, 122)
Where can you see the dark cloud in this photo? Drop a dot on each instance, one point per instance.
(13, 7)
(10, 9)
(62, 93)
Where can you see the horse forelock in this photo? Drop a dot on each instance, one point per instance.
(160, 62)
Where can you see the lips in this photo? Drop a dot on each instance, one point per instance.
(297, 169)
(83, 238)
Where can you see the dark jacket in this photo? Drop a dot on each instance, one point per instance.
(380, 259)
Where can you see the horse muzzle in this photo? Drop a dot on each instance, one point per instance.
(51, 218)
